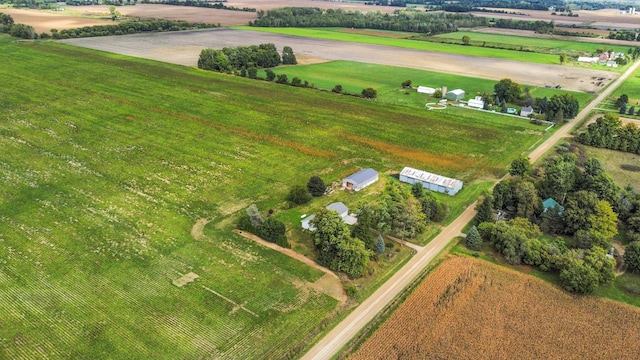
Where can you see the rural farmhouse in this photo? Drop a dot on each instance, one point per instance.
(431, 181)
(338, 207)
(360, 180)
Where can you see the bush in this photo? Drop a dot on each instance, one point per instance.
(298, 195)
(316, 186)
(369, 93)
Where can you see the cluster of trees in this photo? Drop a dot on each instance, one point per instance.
(335, 246)
(299, 194)
(556, 109)
(608, 132)
(540, 27)
(8, 26)
(590, 204)
(400, 20)
(245, 59)
(204, 4)
(401, 212)
(269, 229)
(128, 27)
(622, 103)
(629, 35)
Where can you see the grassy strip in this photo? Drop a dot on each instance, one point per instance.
(533, 42)
(336, 34)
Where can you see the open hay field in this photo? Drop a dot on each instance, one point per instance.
(469, 308)
(184, 48)
(631, 87)
(532, 34)
(45, 21)
(623, 167)
(110, 164)
(354, 76)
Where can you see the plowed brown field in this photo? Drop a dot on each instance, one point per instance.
(471, 309)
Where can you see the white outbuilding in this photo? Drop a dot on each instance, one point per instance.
(454, 95)
(477, 103)
(431, 181)
(426, 90)
(360, 180)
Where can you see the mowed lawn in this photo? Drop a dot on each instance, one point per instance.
(108, 162)
(387, 80)
(339, 35)
(533, 42)
(631, 87)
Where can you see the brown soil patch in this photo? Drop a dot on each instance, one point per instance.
(185, 279)
(310, 60)
(184, 48)
(471, 309)
(45, 21)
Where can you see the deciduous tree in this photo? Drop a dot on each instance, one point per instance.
(508, 90)
(632, 256)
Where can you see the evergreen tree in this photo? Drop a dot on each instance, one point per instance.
(473, 241)
(316, 186)
(632, 256)
(380, 247)
(485, 210)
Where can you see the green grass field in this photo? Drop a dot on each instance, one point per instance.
(108, 162)
(533, 42)
(631, 87)
(339, 35)
(354, 77)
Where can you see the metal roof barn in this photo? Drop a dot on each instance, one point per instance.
(431, 181)
(360, 180)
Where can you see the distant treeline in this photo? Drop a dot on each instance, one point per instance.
(23, 31)
(400, 20)
(609, 133)
(203, 4)
(629, 35)
(541, 27)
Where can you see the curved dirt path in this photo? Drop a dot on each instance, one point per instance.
(328, 284)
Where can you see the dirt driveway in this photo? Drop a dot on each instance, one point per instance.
(184, 47)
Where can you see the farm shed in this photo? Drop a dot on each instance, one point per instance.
(476, 103)
(431, 181)
(453, 95)
(360, 180)
(306, 223)
(588, 59)
(426, 90)
(526, 111)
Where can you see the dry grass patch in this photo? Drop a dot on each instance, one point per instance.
(471, 309)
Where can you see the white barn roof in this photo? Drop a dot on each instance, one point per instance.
(456, 92)
(430, 178)
(426, 90)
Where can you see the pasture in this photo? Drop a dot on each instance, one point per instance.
(341, 34)
(532, 42)
(121, 176)
(631, 87)
(355, 76)
(469, 308)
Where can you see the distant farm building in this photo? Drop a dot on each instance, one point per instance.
(431, 181)
(476, 103)
(454, 95)
(338, 207)
(426, 90)
(588, 59)
(526, 111)
(360, 180)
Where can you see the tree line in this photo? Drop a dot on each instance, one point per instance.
(249, 58)
(23, 31)
(609, 132)
(203, 4)
(400, 20)
(589, 208)
(539, 26)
